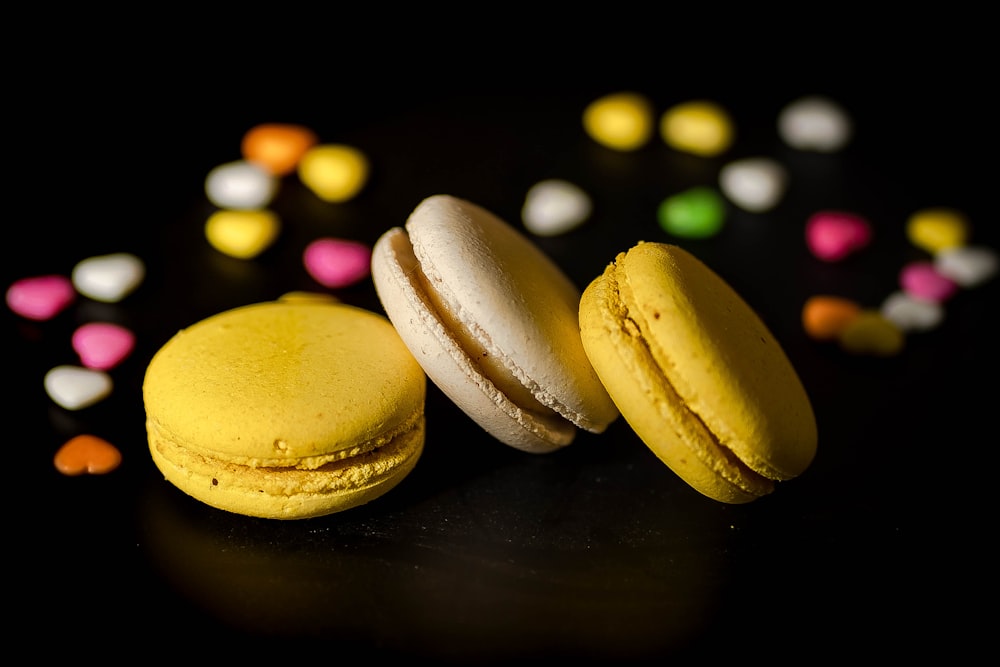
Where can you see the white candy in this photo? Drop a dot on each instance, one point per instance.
(911, 314)
(815, 123)
(75, 388)
(754, 184)
(240, 185)
(108, 278)
(554, 207)
(967, 266)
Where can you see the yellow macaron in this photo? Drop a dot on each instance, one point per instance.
(697, 374)
(285, 409)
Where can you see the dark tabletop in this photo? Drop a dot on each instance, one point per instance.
(597, 551)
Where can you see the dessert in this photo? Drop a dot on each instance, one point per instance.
(285, 409)
(493, 322)
(697, 374)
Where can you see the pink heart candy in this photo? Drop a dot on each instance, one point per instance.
(102, 345)
(41, 297)
(833, 235)
(337, 262)
(922, 281)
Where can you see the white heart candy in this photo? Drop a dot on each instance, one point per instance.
(554, 207)
(753, 184)
(75, 388)
(240, 185)
(912, 314)
(108, 278)
(815, 123)
(967, 265)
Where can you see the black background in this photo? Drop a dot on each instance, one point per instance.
(484, 553)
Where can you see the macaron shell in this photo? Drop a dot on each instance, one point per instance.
(500, 284)
(290, 493)
(677, 347)
(445, 359)
(283, 384)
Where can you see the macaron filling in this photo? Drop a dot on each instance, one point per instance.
(470, 348)
(689, 428)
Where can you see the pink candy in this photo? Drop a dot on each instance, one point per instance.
(337, 262)
(922, 281)
(42, 297)
(833, 235)
(102, 345)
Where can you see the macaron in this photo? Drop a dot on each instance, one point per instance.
(285, 409)
(697, 374)
(493, 322)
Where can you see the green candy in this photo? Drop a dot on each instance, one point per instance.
(696, 213)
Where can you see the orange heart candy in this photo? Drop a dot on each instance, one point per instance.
(825, 317)
(87, 454)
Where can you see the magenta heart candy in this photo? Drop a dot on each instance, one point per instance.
(833, 235)
(41, 297)
(337, 262)
(102, 345)
(922, 281)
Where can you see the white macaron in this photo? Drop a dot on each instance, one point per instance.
(494, 323)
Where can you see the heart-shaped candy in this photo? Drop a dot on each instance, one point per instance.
(102, 345)
(922, 280)
(833, 235)
(337, 262)
(910, 313)
(40, 297)
(87, 454)
(108, 278)
(967, 266)
(75, 388)
(554, 207)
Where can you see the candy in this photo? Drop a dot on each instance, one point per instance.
(815, 123)
(40, 297)
(922, 281)
(240, 185)
(825, 317)
(87, 454)
(696, 213)
(108, 278)
(967, 266)
(911, 314)
(833, 235)
(102, 345)
(937, 229)
(298, 296)
(242, 234)
(699, 127)
(872, 334)
(335, 173)
(554, 207)
(277, 147)
(337, 262)
(75, 388)
(622, 121)
(754, 184)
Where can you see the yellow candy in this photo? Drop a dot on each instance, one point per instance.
(871, 333)
(242, 234)
(334, 172)
(307, 297)
(937, 229)
(699, 127)
(622, 121)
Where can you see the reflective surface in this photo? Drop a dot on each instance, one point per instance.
(597, 551)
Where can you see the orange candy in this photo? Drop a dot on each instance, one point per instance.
(87, 454)
(277, 147)
(826, 317)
